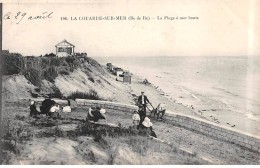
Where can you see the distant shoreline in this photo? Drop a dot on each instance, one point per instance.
(206, 112)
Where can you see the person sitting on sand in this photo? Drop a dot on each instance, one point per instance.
(46, 106)
(54, 110)
(146, 128)
(66, 109)
(136, 119)
(96, 113)
(33, 110)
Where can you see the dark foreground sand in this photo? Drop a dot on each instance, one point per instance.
(65, 150)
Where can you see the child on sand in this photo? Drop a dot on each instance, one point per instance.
(136, 119)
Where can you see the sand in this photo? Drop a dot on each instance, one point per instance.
(62, 150)
(189, 104)
(47, 140)
(16, 86)
(109, 89)
(210, 149)
(213, 150)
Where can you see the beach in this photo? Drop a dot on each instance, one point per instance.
(226, 100)
(186, 146)
(236, 105)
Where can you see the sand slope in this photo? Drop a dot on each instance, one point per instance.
(90, 76)
(16, 86)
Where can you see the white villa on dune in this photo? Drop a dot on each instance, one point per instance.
(64, 49)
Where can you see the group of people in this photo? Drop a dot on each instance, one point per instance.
(140, 121)
(48, 107)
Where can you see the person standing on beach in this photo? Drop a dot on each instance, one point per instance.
(142, 101)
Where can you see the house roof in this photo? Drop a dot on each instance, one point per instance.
(127, 74)
(118, 69)
(64, 43)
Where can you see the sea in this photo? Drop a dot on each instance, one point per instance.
(226, 84)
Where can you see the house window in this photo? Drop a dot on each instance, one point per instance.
(69, 51)
(60, 49)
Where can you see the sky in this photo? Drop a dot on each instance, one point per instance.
(223, 28)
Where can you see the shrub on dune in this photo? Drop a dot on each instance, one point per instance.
(92, 95)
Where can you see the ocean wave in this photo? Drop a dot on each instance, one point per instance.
(247, 113)
(224, 90)
(189, 93)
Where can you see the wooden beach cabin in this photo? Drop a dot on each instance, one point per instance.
(64, 49)
(118, 71)
(109, 65)
(112, 67)
(127, 78)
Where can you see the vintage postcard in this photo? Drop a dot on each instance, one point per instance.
(119, 82)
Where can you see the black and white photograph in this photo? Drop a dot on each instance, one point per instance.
(120, 82)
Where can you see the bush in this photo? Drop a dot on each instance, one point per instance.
(73, 62)
(34, 95)
(34, 76)
(37, 89)
(46, 67)
(63, 72)
(50, 74)
(56, 61)
(92, 95)
(56, 93)
(50, 55)
(13, 63)
(45, 62)
(70, 60)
